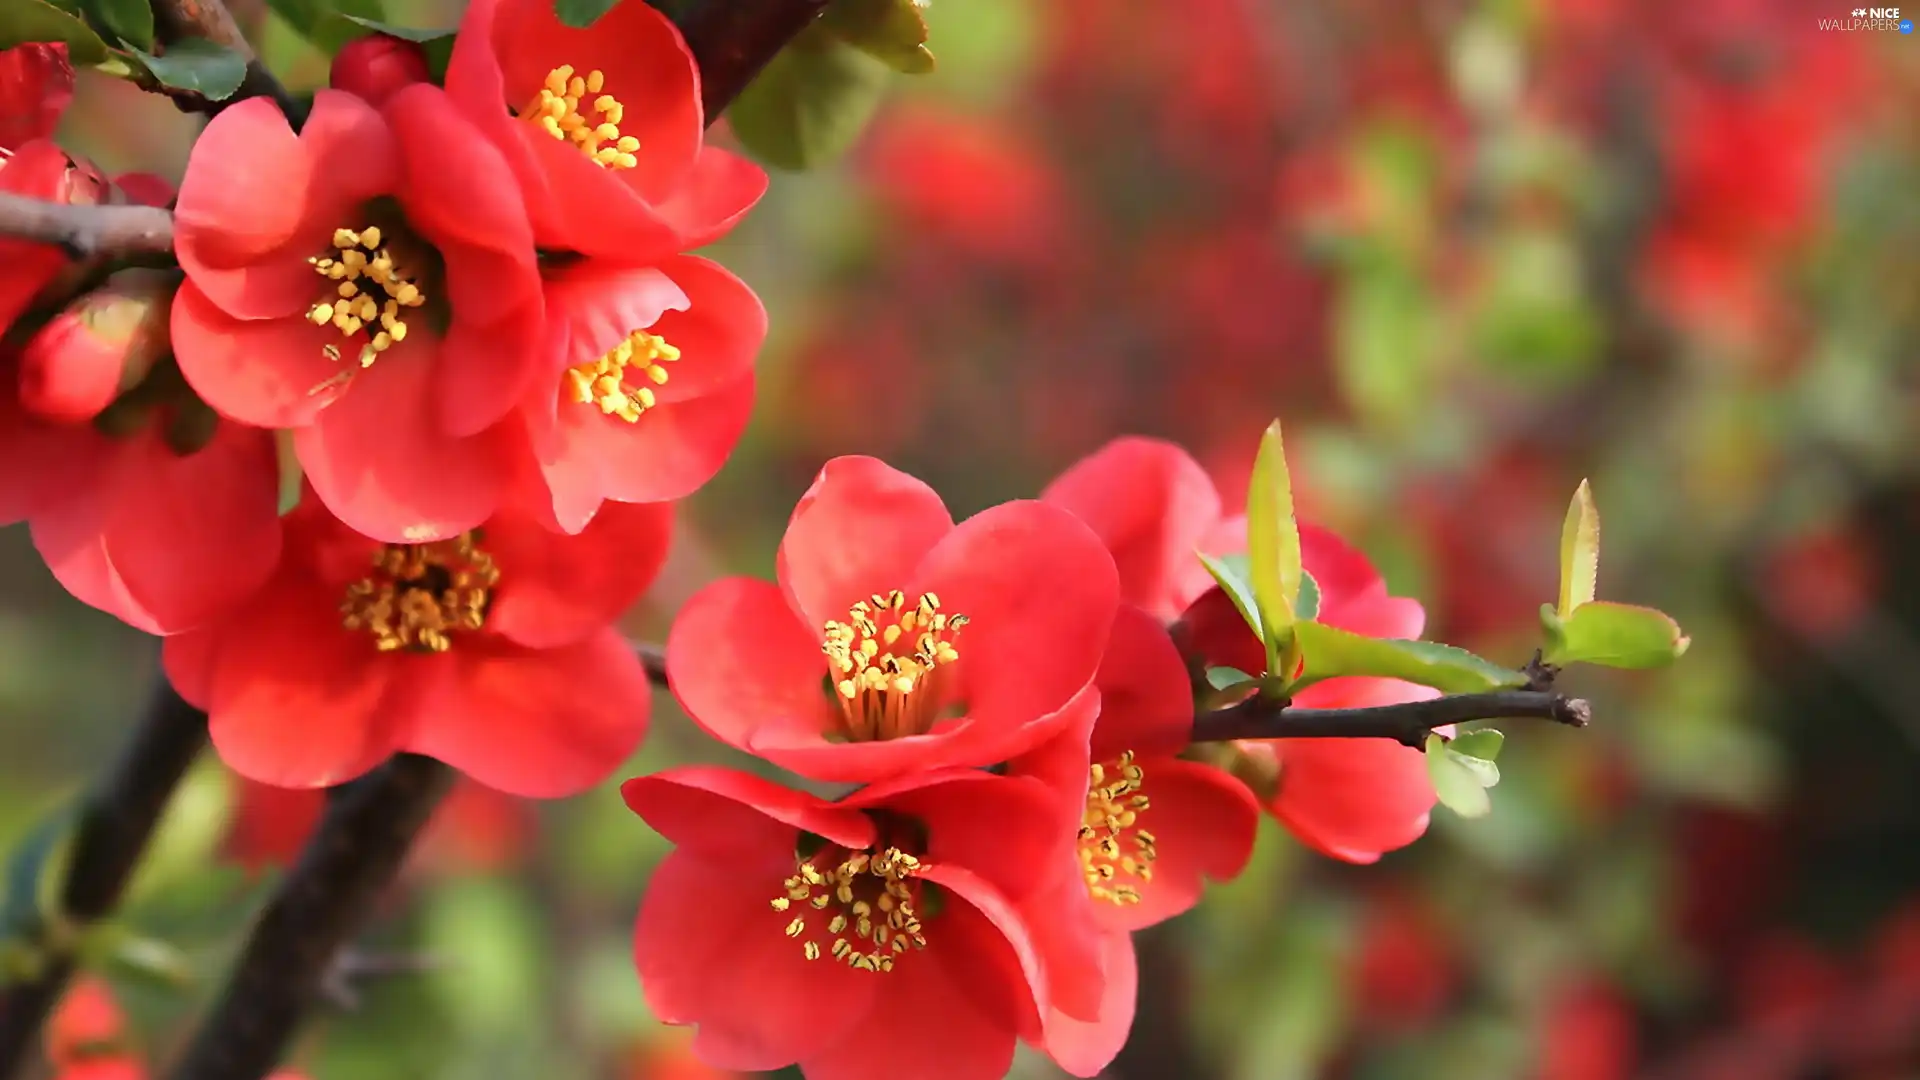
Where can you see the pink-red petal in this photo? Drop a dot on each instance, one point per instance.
(718, 331)
(1146, 694)
(726, 814)
(861, 528)
(1203, 823)
(1085, 1048)
(1152, 504)
(555, 590)
(668, 454)
(243, 199)
(743, 667)
(270, 373)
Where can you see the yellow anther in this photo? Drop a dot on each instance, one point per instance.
(1110, 845)
(603, 382)
(419, 596)
(555, 109)
(888, 692)
(370, 290)
(852, 888)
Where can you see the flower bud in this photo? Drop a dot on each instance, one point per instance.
(36, 85)
(100, 347)
(377, 66)
(39, 170)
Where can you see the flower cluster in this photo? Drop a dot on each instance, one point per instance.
(398, 441)
(87, 1038)
(1007, 704)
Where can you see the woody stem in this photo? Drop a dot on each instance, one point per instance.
(1406, 722)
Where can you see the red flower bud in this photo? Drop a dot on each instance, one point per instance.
(38, 170)
(36, 84)
(376, 66)
(101, 346)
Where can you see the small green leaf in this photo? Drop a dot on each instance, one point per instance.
(891, 31)
(1235, 587)
(1613, 635)
(1331, 653)
(1579, 551)
(1307, 607)
(23, 22)
(1227, 678)
(27, 899)
(112, 944)
(1273, 547)
(1483, 743)
(130, 21)
(293, 478)
(1457, 784)
(810, 103)
(581, 14)
(199, 66)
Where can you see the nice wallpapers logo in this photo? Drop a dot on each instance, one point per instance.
(1877, 18)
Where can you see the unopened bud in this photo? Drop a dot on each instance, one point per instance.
(378, 66)
(101, 346)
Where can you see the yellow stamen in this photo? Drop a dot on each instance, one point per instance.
(420, 595)
(854, 889)
(884, 694)
(368, 291)
(555, 109)
(604, 382)
(1112, 845)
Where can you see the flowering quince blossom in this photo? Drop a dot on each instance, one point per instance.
(1154, 506)
(492, 651)
(602, 128)
(897, 641)
(1148, 827)
(882, 927)
(87, 1038)
(349, 284)
(36, 85)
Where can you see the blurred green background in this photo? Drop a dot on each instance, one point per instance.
(1469, 252)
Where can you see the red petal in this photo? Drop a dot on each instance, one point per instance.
(860, 528)
(555, 589)
(1083, 1048)
(1146, 695)
(378, 460)
(1152, 505)
(244, 200)
(1203, 823)
(296, 701)
(540, 723)
(722, 187)
(742, 666)
(36, 86)
(1353, 799)
(1002, 828)
(50, 462)
(726, 814)
(718, 332)
(1040, 593)
(668, 454)
(271, 373)
(601, 304)
(704, 924)
(1066, 937)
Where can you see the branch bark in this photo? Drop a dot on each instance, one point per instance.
(369, 826)
(1406, 723)
(654, 659)
(732, 40)
(116, 821)
(84, 231)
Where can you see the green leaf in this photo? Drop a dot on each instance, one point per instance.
(150, 960)
(130, 21)
(1235, 587)
(1579, 551)
(27, 900)
(1483, 743)
(1307, 607)
(1227, 678)
(581, 14)
(329, 24)
(198, 66)
(810, 103)
(891, 31)
(1613, 635)
(1331, 653)
(1273, 547)
(1457, 784)
(23, 22)
(292, 477)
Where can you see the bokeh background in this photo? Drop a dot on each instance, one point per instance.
(1470, 252)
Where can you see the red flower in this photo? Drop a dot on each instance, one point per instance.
(1352, 799)
(944, 644)
(349, 284)
(878, 928)
(491, 651)
(157, 512)
(1154, 507)
(101, 346)
(87, 1023)
(36, 86)
(1149, 826)
(603, 128)
(657, 382)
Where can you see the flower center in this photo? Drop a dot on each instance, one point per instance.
(1111, 847)
(556, 109)
(884, 693)
(366, 303)
(867, 902)
(419, 595)
(604, 381)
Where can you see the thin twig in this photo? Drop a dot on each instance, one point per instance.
(1407, 722)
(732, 40)
(359, 847)
(115, 823)
(84, 231)
(654, 659)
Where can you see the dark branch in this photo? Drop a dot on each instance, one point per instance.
(732, 40)
(115, 823)
(211, 20)
(654, 659)
(284, 969)
(84, 231)
(1407, 723)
